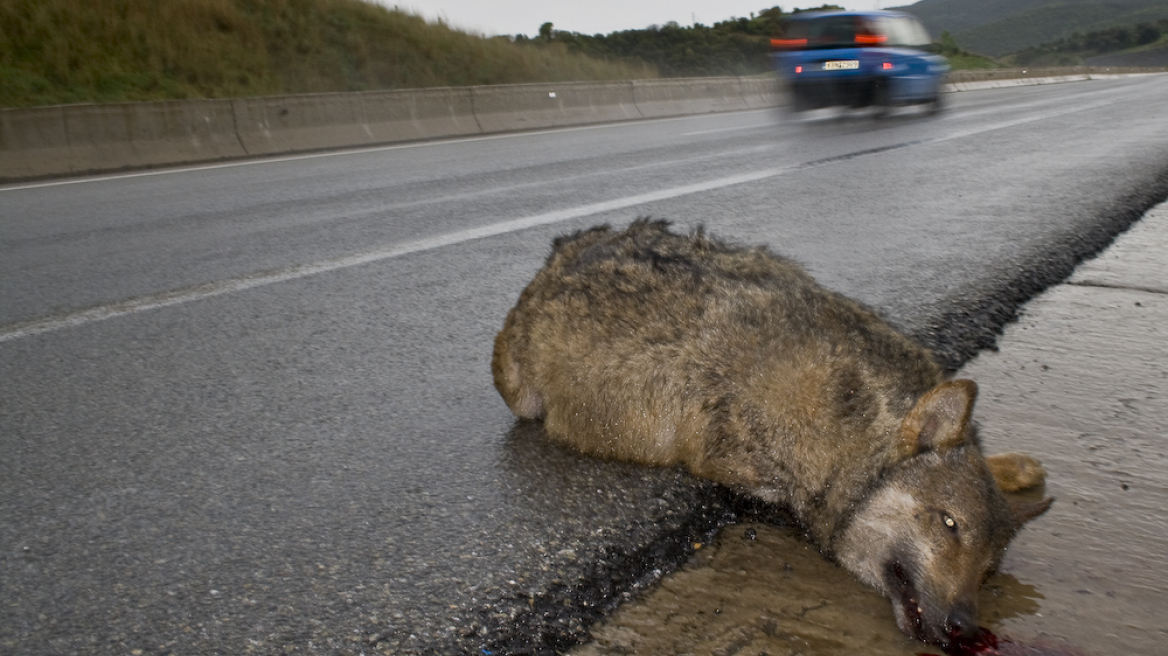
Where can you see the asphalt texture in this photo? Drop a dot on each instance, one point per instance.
(248, 408)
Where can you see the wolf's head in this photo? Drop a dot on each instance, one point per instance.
(938, 524)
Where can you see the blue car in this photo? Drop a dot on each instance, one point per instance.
(859, 59)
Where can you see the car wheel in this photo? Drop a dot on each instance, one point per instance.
(937, 104)
(800, 102)
(881, 101)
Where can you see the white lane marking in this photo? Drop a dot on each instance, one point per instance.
(759, 126)
(1054, 113)
(231, 285)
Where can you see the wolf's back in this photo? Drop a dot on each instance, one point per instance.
(660, 348)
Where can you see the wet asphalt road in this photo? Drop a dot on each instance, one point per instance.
(248, 408)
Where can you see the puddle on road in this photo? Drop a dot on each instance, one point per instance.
(762, 589)
(1081, 381)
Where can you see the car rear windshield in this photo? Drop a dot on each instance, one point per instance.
(855, 32)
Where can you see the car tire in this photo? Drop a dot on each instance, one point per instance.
(800, 99)
(937, 104)
(881, 101)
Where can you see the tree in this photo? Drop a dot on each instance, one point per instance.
(949, 45)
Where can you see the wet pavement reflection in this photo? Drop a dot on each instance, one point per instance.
(764, 589)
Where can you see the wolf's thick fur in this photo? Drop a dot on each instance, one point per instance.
(663, 349)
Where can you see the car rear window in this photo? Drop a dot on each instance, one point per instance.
(854, 32)
(905, 32)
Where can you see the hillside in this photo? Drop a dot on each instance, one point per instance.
(67, 51)
(1000, 27)
(1144, 44)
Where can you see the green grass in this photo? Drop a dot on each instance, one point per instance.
(70, 51)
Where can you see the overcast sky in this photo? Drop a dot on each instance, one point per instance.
(492, 17)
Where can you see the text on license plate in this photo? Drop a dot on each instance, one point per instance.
(845, 65)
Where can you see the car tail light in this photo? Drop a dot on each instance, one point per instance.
(871, 39)
(788, 43)
(798, 70)
(887, 66)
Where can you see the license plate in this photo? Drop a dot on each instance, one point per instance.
(845, 65)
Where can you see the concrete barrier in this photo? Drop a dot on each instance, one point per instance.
(1034, 74)
(49, 141)
(99, 136)
(416, 114)
(979, 85)
(762, 91)
(513, 107)
(285, 124)
(81, 138)
(656, 98)
(162, 132)
(33, 143)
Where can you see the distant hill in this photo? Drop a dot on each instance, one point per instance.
(1000, 27)
(1143, 44)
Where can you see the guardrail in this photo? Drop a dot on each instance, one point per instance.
(73, 139)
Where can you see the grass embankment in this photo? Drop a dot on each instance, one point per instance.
(69, 51)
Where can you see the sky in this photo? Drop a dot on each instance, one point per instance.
(491, 17)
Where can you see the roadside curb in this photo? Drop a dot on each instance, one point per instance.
(978, 85)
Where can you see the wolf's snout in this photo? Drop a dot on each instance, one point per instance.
(961, 625)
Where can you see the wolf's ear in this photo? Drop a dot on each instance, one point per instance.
(940, 419)
(1016, 471)
(1024, 511)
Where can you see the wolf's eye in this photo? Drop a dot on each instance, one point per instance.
(949, 522)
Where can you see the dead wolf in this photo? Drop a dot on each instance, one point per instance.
(664, 349)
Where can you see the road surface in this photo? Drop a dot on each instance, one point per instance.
(247, 408)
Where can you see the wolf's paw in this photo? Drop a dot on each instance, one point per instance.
(1016, 471)
(529, 405)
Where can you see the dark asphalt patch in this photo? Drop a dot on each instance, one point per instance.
(973, 324)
